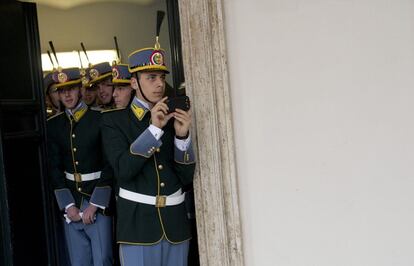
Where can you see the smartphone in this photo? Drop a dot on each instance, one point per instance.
(178, 102)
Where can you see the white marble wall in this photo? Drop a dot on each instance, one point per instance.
(322, 96)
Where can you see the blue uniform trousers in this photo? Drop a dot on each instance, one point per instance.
(90, 245)
(161, 254)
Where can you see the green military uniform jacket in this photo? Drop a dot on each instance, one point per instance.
(144, 165)
(75, 146)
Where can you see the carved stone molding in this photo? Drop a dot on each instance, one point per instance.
(215, 185)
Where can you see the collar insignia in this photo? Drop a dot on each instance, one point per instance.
(139, 112)
(79, 112)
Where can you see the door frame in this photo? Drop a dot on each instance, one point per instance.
(207, 83)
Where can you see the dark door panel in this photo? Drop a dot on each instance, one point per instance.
(26, 212)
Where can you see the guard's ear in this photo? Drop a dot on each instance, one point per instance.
(134, 83)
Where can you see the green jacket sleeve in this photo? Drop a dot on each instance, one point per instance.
(124, 161)
(63, 195)
(103, 190)
(184, 164)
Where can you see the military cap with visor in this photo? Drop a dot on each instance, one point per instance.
(98, 72)
(63, 78)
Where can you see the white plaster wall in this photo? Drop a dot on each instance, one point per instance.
(96, 24)
(322, 97)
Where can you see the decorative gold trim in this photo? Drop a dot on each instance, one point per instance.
(141, 244)
(73, 159)
(60, 85)
(149, 67)
(179, 242)
(83, 193)
(101, 77)
(111, 110)
(150, 244)
(71, 146)
(121, 65)
(138, 111)
(158, 208)
(165, 235)
(138, 153)
(184, 163)
(53, 116)
(80, 113)
(121, 81)
(143, 49)
(158, 175)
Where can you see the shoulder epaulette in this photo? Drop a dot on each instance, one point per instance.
(53, 116)
(111, 110)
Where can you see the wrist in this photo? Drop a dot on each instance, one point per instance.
(156, 125)
(183, 137)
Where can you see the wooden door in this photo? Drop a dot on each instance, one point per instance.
(26, 204)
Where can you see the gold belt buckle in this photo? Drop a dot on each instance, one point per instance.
(78, 177)
(160, 201)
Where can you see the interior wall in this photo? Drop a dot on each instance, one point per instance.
(96, 24)
(322, 96)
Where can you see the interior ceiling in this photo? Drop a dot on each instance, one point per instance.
(66, 4)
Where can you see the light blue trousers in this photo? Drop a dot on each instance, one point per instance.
(90, 245)
(161, 254)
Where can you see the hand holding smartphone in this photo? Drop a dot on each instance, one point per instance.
(178, 102)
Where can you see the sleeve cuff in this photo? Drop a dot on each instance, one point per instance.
(101, 196)
(156, 131)
(182, 144)
(184, 156)
(145, 145)
(68, 206)
(64, 198)
(99, 206)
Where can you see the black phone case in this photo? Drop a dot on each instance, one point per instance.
(179, 102)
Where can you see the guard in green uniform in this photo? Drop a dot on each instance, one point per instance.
(89, 91)
(149, 148)
(81, 179)
(53, 105)
(121, 82)
(100, 76)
